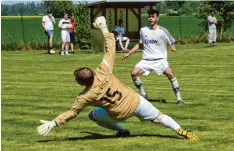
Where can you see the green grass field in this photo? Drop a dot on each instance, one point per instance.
(38, 86)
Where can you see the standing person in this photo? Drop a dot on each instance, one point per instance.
(115, 101)
(65, 25)
(212, 22)
(154, 39)
(72, 33)
(120, 35)
(48, 22)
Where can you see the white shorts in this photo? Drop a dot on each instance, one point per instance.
(157, 66)
(146, 110)
(65, 35)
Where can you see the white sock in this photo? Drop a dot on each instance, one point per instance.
(137, 82)
(175, 86)
(169, 122)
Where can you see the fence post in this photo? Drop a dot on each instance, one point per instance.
(22, 24)
(231, 24)
(180, 26)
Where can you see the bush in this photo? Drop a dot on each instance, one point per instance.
(83, 30)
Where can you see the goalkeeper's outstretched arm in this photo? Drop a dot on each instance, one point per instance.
(47, 126)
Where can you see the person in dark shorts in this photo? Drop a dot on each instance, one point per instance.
(72, 33)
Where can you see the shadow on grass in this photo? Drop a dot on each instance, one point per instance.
(158, 100)
(93, 136)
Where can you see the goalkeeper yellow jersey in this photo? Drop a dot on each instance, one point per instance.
(107, 91)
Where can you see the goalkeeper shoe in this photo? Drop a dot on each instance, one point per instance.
(124, 133)
(187, 134)
(100, 23)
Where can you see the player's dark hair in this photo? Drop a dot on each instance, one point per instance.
(49, 11)
(84, 76)
(212, 11)
(153, 11)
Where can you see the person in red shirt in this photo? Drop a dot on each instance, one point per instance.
(72, 32)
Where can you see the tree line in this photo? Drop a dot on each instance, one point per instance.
(29, 8)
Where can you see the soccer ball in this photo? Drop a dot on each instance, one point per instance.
(69, 26)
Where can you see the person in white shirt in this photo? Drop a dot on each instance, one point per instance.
(212, 22)
(65, 25)
(120, 35)
(48, 22)
(154, 39)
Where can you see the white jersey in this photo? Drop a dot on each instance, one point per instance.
(155, 42)
(63, 24)
(48, 22)
(119, 30)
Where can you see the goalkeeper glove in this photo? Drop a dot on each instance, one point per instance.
(46, 127)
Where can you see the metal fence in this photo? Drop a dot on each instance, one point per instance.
(26, 32)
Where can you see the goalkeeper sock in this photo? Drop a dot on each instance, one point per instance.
(102, 118)
(169, 122)
(175, 86)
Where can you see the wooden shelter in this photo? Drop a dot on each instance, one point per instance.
(127, 10)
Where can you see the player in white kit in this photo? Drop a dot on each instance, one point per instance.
(65, 34)
(154, 39)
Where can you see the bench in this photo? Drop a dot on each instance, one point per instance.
(134, 37)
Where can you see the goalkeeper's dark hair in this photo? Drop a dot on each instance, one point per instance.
(84, 76)
(153, 11)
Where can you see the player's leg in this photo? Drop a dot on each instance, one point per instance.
(174, 83)
(49, 34)
(136, 72)
(102, 118)
(72, 38)
(67, 43)
(120, 42)
(214, 37)
(127, 42)
(63, 37)
(210, 37)
(51, 40)
(147, 111)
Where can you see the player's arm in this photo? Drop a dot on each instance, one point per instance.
(170, 40)
(43, 25)
(60, 24)
(211, 20)
(47, 126)
(135, 48)
(110, 50)
(215, 20)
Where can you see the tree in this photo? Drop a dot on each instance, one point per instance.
(59, 7)
(224, 12)
(175, 6)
